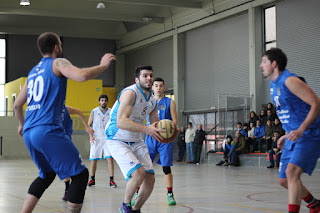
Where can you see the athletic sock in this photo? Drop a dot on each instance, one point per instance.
(92, 177)
(111, 178)
(293, 208)
(309, 199)
(67, 184)
(169, 189)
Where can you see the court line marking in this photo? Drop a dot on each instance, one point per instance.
(248, 207)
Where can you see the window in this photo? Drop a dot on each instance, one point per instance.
(270, 27)
(2, 75)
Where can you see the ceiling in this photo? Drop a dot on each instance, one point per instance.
(80, 18)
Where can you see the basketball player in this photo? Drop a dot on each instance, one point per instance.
(166, 110)
(125, 137)
(298, 108)
(67, 125)
(98, 119)
(51, 150)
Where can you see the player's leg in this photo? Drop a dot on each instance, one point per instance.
(130, 167)
(46, 173)
(67, 184)
(108, 157)
(96, 150)
(141, 150)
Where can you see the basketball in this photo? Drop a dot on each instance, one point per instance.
(170, 131)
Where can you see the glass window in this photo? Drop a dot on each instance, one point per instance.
(2, 48)
(270, 33)
(2, 103)
(2, 70)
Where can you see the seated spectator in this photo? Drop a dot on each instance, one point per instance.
(239, 126)
(244, 131)
(263, 117)
(258, 134)
(271, 107)
(267, 138)
(270, 115)
(277, 126)
(275, 151)
(228, 143)
(250, 135)
(237, 148)
(253, 117)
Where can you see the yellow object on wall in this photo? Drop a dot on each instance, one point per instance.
(111, 93)
(11, 92)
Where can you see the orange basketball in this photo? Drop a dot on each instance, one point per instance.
(170, 131)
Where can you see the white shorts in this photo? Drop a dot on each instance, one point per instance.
(130, 156)
(99, 150)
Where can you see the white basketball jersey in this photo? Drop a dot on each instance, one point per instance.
(99, 122)
(142, 107)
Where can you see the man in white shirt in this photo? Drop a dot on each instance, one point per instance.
(189, 137)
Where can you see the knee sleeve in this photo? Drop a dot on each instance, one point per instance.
(78, 187)
(39, 185)
(166, 170)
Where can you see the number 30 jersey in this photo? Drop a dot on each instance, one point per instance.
(46, 96)
(142, 107)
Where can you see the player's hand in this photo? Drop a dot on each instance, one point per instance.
(153, 131)
(294, 135)
(92, 141)
(20, 129)
(90, 131)
(107, 59)
(281, 141)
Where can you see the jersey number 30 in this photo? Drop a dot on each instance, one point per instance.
(35, 89)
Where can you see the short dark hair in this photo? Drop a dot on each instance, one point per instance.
(229, 136)
(190, 123)
(103, 96)
(245, 124)
(239, 123)
(158, 79)
(276, 132)
(47, 41)
(276, 54)
(139, 68)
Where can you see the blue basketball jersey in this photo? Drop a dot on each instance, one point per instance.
(163, 109)
(291, 110)
(67, 123)
(46, 96)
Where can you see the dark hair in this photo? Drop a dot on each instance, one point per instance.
(229, 136)
(245, 124)
(103, 96)
(258, 120)
(158, 79)
(139, 68)
(276, 132)
(190, 123)
(47, 41)
(276, 54)
(239, 123)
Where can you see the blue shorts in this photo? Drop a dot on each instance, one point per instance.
(303, 153)
(165, 151)
(52, 150)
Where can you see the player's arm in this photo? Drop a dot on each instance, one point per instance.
(306, 94)
(73, 110)
(173, 112)
(62, 67)
(18, 107)
(127, 99)
(90, 121)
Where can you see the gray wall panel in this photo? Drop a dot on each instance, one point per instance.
(159, 56)
(298, 36)
(217, 62)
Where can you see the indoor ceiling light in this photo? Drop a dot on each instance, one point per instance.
(24, 2)
(146, 19)
(101, 5)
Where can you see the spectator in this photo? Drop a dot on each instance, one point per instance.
(237, 148)
(244, 131)
(270, 115)
(228, 143)
(271, 107)
(263, 117)
(253, 117)
(267, 138)
(181, 144)
(198, 142)
(274, 151)
(250, 135)
(258, 134)
(189, 137)
(278, 126)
